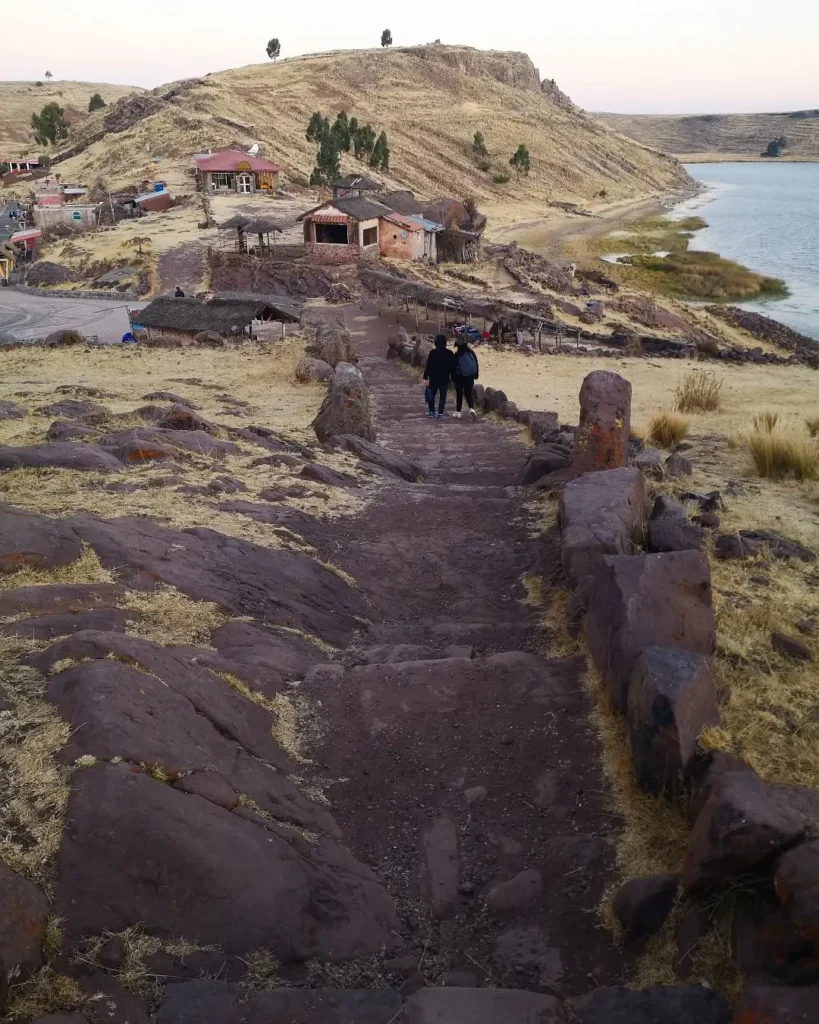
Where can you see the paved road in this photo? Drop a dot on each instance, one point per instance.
(33, 316)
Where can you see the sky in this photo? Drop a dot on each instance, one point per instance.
(626, 56)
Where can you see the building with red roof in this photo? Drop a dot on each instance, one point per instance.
(234, 170)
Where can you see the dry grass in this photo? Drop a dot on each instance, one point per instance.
(812, 423)
(699, 391)
(765, 420)
(668, 428)
(86, 569)
(169, 617)
(784, 453)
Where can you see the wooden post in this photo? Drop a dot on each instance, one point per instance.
(283, 334)
(416, 314)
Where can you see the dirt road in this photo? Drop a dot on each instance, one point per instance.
(462, 768)
(27, 316)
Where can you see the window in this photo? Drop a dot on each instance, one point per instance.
(370, 236)
(331, 234)
(221, 179)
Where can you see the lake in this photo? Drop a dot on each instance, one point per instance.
(765, 216)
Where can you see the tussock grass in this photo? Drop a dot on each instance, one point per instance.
(86, 569)
(699, 391)
(765, 420)
(668, 428)
(169, 617)
(703, 275)
(812, 423)
(44, 993)
(784, 453)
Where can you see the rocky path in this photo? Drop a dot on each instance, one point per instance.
(461, 762)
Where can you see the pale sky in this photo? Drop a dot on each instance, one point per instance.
(630, 56)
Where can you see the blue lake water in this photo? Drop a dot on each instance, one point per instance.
(765, 216)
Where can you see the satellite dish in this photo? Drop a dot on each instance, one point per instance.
(254, 150)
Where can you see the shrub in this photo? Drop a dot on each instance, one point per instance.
(699, 391)
(500, 177)
(778, 455)
(484, 164)
(812, 423)
(520, 159)
(708, 347)
(765, 420)
(667, 428)
(95, 103)
(49, 125)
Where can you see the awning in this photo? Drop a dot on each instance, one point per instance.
(328, 218)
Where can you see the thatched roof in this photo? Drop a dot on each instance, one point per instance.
(238, 220)
(402, 201)
(458, 303)
(284, 304)
(222, 315)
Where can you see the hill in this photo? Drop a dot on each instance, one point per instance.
(429, 99)
(19, 100)
(745, 135)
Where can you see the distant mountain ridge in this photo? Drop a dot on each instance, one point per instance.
(740, 134)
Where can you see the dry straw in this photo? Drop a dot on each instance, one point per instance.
(699, 391)
(668, 428)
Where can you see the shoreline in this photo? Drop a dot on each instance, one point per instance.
(742, 158)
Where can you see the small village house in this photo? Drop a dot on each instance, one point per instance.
(347, 230)
(355, 186)
(234, 170)
(28, 240)
(52, 212)
(22, 165)
(226, 314)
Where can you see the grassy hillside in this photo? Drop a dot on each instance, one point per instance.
(19, 100)
(736, 134)
(430, 100)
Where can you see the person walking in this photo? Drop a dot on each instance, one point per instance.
(438, 373)
(179, 294)
(466, 373)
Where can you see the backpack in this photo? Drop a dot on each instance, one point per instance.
(467, 365)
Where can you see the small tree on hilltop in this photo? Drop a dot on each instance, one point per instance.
(95, 103)
(48, 74)
(49, 125)
(520, 159)
(273, 48)
(386, 37)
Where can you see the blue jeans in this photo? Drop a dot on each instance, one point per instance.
(441, 389)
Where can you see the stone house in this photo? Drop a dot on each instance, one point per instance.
(408, 238)
(234, 170)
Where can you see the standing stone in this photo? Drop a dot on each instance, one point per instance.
(671, 699)
(605, 423)
(347, 407)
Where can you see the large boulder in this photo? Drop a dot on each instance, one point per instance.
(182, 865)
(332, 344)
(600, 514)
(642, 601)
(23, 913)
(59, 454)
(183, 417)
(347, 407)
(29, 539)
(140, 442)
(605, 423)
(741, 826)
(671, 699)
(382, 458)
(668, 534)
(482, 1006)
(665, 1004)
(546, 458)
(311, 370)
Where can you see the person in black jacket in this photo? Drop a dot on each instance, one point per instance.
(438, 373)
(465, 375)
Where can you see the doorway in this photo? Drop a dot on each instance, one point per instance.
(244, 183)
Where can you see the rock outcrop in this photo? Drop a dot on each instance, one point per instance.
(347, 406)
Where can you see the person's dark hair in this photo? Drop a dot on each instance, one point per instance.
(440, 341)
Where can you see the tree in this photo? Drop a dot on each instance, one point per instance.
(341, 133)
(353, 125)
(520, 159)
(316, 127)
(775, 147)
(49, 125)
(327, 167)
(95, 103)
(479, 146)
(380, 156)
(48, 74)
(4, 169)
(364, 141)
(274, 48)
(386, 37)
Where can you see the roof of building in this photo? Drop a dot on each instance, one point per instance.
(28, 235)
(262, 226)
(228, 159)
(224, 315)
(355, 207)
(51, 199)
(285, 304)
(150, 195)
(412, 223)
(402, 202)
(357, 181)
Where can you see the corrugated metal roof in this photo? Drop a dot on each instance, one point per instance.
(427, 225)
(150, 195)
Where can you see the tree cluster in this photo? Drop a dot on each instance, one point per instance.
(95, 103)
(49, 126)
(775, 147)
(343, 135)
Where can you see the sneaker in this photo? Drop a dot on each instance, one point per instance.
(441, 417)
(456, 415)
(430, 414)
(473, 414)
